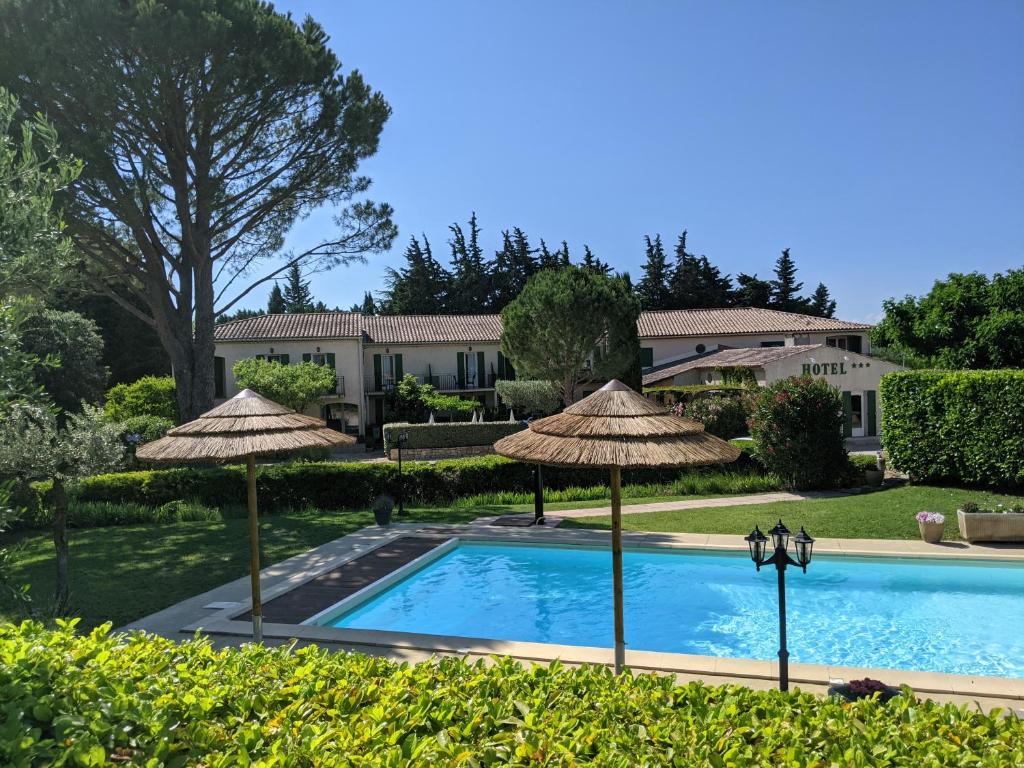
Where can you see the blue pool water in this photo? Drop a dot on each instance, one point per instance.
(901, 614)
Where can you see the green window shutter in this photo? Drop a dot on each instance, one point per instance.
(854, 344)
(872, 413)
(376, 373)
(284, 359)
(218, 377)
(307, 357)
(847, 414)
(501, 365)
(481, 374)
(460, 362)
(330, 359)
(260, 357)
(398, 368)
(646, 357)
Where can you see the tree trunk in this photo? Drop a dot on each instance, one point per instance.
(59, 501)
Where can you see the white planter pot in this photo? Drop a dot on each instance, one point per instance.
(991, 526)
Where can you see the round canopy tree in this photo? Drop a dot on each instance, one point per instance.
(572, 326)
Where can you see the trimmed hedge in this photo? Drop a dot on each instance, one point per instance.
(347, 485)
(960, 426)
(145, 700)
(456, 434)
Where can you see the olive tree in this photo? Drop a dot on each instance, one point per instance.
(34, 447)
(206, 129)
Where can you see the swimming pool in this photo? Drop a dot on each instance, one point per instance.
(914, 614)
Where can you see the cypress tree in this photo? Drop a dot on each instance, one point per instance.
(653, 288)
(470, 288)
(594, 264)
(752, 291)
(420, 287)
(684, 283)
(275, 302)
(822, 303)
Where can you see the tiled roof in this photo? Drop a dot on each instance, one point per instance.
(735, 321)
(382, 329)
(311, 325)
(414, 329)
(744, 357)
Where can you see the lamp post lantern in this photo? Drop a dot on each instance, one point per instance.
(403, 438)
(803, 546)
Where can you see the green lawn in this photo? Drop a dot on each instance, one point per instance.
(883, 514)
(122, 573)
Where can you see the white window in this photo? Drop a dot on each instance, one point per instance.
(387, 371)
(319, 358)
(471, 370)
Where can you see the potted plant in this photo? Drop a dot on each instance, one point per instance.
(382, 507)
(874, 476)
(997, 524)
(864, 689)
(931, 525)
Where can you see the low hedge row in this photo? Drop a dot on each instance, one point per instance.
(144, 700)
(456, 434)
(960, 426)
(346, 485)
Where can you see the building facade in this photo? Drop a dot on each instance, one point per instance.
(461, 354)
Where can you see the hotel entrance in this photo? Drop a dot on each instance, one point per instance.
(860, 411)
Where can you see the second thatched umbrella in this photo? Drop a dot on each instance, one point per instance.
(246, 426)
(617, 428)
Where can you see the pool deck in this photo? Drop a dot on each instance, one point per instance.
(304, 584)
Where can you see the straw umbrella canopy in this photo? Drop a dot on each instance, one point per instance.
(246, 426)
(617, 428)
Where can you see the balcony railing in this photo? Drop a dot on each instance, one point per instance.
(443, 382)
(337, 389)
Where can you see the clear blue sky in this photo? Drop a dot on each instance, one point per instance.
(882, 142)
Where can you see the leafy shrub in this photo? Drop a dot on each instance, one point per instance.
(863, 461)
(797, 429)
(144, 429)
(456, 434)
(348, 485)
(144, 700)
(149, 396)
(724, 416)
(293, 386)
(529, 395)
(959, 426)
(669, 395)
(101, 514)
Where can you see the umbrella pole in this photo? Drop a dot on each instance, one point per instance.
(254, 549)
(620, 641)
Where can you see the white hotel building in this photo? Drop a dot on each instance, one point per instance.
(461, 354)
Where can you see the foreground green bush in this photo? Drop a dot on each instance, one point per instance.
(347, 485)
(960, 426)
(455, 434)
(138, 700)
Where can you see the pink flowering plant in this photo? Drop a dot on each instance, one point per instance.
(797, 426)
(930, 517)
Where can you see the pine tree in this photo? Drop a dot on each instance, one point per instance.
(297, 296)
(470, 288)
(275, 302)
(822, 303)
(785, 288)
(591, 262)
(545, 258)
(752, 291)
(713, 288)
(653, 288)
(420, 287)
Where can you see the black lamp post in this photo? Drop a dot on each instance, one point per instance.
(803, 545)
(403, 438)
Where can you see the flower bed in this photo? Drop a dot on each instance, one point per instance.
(138, 700)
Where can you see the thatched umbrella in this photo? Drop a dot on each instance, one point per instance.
(617, 428)
(246, 426)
